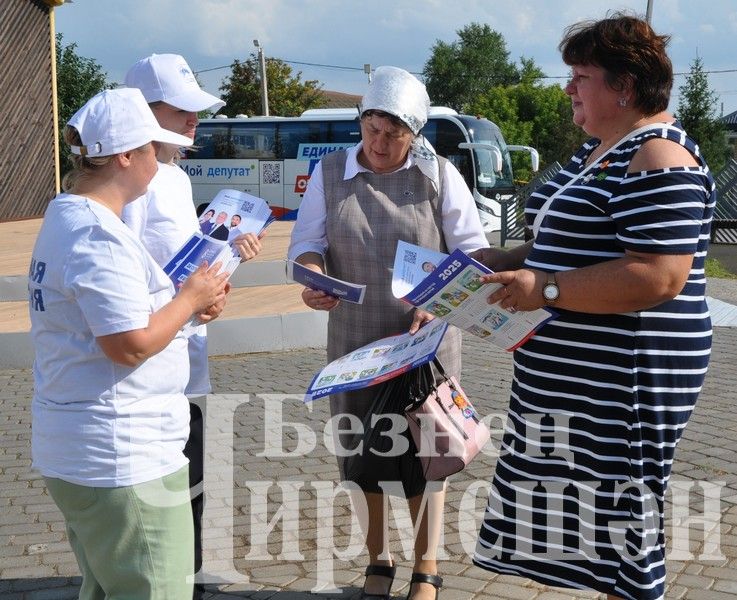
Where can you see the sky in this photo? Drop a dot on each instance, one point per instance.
(331, 40)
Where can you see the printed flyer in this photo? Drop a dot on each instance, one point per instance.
(378, 361)
(232, 213)
(454, 293)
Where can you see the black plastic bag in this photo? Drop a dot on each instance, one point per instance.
(379, 461)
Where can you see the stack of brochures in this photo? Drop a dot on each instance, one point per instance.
(230, 214)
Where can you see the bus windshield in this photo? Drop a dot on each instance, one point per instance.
(488, 182)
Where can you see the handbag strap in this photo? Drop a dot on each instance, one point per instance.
(439, 366)
(632, 134)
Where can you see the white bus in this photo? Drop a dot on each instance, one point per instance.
(273, 157)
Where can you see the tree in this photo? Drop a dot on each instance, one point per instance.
(697, 113)
(457, 73)
(533, 115)
(288, 95)
(77, 80)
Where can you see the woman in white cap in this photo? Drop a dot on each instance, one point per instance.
(359, 203)
(110, 417)
(165, 217)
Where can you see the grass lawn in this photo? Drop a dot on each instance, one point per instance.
(716, 269)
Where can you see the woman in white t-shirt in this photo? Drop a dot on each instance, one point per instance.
(110, 417)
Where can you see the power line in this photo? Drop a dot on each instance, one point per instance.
(346, 68)
(563, 77)
(291, 62)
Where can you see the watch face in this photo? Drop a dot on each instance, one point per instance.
(550, 291)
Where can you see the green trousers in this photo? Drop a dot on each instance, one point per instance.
(133, 542)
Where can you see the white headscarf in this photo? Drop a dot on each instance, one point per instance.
(399, 93)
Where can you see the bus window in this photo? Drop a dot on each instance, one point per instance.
(210, 142)
(253, 140)
(345, 132)
(290, 134)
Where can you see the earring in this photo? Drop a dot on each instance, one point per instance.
(623, 102)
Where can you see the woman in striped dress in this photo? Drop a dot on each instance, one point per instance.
(602, 393)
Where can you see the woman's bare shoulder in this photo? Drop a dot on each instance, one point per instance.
(661, 153)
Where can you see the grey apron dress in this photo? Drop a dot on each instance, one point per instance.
(366, 217)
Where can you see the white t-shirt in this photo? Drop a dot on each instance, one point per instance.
(96, 422)
(163, 219)
(461, 225)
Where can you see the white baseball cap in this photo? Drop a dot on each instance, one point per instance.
(119, 120)
(168, 78)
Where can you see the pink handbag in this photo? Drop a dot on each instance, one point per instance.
(446, 429)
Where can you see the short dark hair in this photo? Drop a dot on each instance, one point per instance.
(393, 119)
(628, 49)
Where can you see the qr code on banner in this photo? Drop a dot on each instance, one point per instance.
(410, 257)
(271, 173)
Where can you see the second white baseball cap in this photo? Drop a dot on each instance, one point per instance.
(168, 78)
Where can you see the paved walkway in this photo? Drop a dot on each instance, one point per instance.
(250, 559)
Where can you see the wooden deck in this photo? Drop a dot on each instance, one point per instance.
(16, 245)
(17, 239)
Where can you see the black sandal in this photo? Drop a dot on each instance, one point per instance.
(388, 571)
(434, 580)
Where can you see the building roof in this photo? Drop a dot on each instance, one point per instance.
(340, 99)
(730, 121)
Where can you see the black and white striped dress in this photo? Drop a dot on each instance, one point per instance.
(599, 402)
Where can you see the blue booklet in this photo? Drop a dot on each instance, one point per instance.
(343, 290)
(194, 252)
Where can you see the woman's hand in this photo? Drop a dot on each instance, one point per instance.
(204, 288)
(420, 318)
(248, 245)
(490, 257)
(319, 300)
(316, 299)
(521, 289)
(213, 311)
(503, 260)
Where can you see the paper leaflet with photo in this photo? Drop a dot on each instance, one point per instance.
(378, 361)
(233, 213)
(453, 292)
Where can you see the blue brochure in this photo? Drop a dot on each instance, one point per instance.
(343, 290)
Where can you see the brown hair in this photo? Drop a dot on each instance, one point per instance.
(83, 166)
(628, 49)
(393, 119)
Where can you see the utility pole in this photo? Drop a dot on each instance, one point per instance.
(367, 70)
(649, 13)
(262, 68)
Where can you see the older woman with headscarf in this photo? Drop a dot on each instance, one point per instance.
(359, 203)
